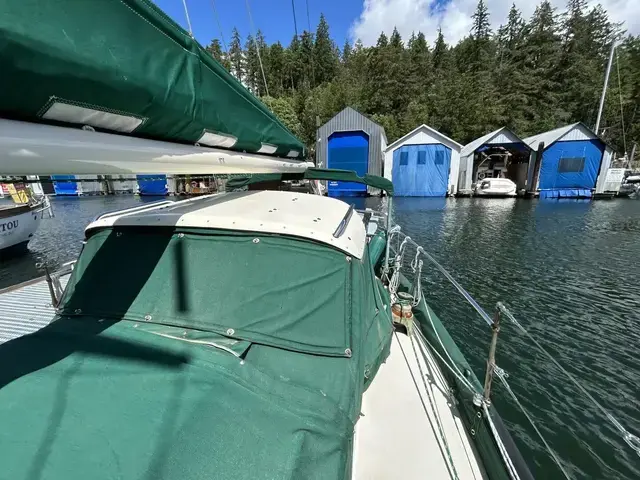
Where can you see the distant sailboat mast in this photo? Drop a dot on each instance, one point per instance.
(604, 88)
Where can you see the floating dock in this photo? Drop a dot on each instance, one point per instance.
(26, 308)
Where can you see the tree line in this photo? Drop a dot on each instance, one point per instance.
(530, 75)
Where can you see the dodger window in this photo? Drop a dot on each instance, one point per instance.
(404, 158)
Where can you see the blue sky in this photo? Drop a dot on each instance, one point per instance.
(273, 17)
(365, 19)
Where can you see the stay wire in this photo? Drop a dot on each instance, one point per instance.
(186, 12)
(215, 14)
(632, 440)
(255, 41)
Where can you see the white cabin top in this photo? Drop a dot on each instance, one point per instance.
(296, 214)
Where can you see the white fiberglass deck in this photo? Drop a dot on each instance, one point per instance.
(408, 428)
(285, 213)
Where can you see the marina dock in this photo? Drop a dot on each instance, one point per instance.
(26, 308)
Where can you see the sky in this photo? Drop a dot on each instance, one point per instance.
(363, 19)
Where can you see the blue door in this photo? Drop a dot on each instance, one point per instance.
(152, 184)
(64, 188)
(348, 151)
(570, 169)
(421, 170)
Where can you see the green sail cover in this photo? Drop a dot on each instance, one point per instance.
(125, 66)
(103, 393)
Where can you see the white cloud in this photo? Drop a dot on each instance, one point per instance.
(454, 16)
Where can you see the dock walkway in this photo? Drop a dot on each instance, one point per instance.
(26, 308)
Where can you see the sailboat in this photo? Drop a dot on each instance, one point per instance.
(20, 218)
(247, 334)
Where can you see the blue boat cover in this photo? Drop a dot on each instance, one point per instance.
(64, 188)
(421, 170)
(152, 184)
(571, 165)
(348, 151)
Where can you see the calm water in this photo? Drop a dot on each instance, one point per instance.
(569, 272)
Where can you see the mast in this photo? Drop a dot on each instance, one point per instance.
(604, 88)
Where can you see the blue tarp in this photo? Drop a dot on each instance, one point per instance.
(421, 170)
(348, 151)
(64, 188)
(152, 184)
(570, 166)
(566, 193)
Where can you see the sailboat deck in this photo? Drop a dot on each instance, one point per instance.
(409, 429)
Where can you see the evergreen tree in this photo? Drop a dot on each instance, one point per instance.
(439, 51)
(395, 41)
(277, 73)
(481, 26)
(262, 51)
(307, 59)
(215, 49)
(294, 67)
(236, 56)
(419, 66)
(252, 66)
(346, 51)
(530, 75)
(541, 51)
(324, 54)
(510, 78)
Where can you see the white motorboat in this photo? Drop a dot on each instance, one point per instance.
(630, 187)
(495, 187)
(19, 222)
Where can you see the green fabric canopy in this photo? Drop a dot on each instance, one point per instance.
(137, 379)
(130, 61)
(314, 174)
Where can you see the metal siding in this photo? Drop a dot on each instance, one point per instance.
(601, 185)
(575, 131)
(26, 309)
(478, 142)
(421, 138)
(94, 187)
(578, 133)
(351, 120)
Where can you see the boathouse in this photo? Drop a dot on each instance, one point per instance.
(351, 141)
(86, 185)
(498, 154)
(152, 185)
(568, 162)
(423, 163)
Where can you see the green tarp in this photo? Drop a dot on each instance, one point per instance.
(218, 283)
(126, 57)
(314, 174)
(106, 392)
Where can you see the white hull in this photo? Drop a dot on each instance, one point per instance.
(495, 187)
(20, 228)
(495, 193)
